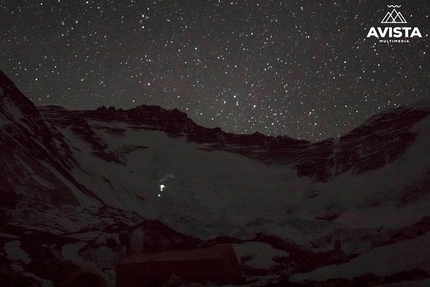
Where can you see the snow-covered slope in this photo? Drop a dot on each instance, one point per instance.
(35, 160)
(92, 186)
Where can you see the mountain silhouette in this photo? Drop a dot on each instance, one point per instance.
(81, 190)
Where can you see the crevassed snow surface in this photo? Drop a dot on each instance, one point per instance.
(206, 194)
(220, 193)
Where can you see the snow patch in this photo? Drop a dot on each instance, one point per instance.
(261, 254)
(42, 182)
(70, 252)
(14, 252)
(383, 261)
(12, 110)
(423, 283)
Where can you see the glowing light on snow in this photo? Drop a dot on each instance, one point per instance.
(159, 195)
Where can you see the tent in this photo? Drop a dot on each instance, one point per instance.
(217, 264)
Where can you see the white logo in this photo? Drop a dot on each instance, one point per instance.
(394, 17)
(391, 34)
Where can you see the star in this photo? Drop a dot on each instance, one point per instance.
(278, 68)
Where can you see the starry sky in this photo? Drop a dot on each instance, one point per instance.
(299, 68)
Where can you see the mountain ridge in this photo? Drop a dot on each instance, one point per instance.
(92, 186)
(320, 160)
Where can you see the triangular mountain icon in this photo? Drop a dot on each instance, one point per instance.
(393, 17)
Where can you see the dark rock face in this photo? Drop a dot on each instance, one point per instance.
(380, 141)
(33, 134)
(25, 139)
(371, 146)
(62, 118)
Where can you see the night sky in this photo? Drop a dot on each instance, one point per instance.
(299, 68)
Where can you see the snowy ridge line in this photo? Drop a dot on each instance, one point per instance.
(289, 208)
